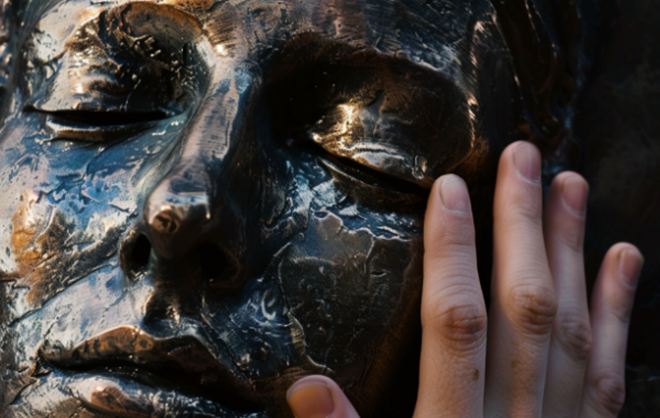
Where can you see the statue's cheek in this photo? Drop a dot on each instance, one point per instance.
(345, 287)
(48, 249)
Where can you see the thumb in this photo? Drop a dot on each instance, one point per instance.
(319, 397)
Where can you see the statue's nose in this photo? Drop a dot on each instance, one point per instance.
(188, 234)
(178, 214)
(192, 227)
(192, 224)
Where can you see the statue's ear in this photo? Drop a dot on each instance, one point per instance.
(554, 44)
(541, 64)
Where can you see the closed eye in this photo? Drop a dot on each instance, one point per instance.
(91, 126)
(103, 119)
(364, 183)
(367, 175)
(129, 69)
(377, 113)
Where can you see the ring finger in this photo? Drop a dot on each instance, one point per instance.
(571, 334)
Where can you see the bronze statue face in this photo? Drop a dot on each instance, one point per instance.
(204, 201)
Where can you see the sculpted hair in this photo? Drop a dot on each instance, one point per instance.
(554, 46)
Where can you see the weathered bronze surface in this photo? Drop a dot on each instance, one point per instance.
(203, 201)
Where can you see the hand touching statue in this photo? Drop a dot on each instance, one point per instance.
(540, 351)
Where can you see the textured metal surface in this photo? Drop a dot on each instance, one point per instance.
(203, 201)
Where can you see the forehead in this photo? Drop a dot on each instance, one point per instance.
(435, 33)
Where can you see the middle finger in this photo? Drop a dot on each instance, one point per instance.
(523, 299)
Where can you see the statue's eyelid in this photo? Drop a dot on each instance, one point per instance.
(115, 51)
(344, 128)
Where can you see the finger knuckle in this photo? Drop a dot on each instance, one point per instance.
(454, 236)
(608, 394)
(521, 207)
(462, 323)
(574, 333)
(572, 237)
(533, 308)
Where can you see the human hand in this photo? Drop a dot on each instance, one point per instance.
(546, 354)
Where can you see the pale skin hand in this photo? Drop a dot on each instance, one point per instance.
(540, 351)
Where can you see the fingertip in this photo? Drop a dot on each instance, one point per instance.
(511, 149)
(630, 261)
(518, 192)
(449, 212)
(319, 397)
(574, 194)
(568, 174)
(453, 194)
(448, 218)
(617, 280)
(527, 162)
(564, 217)
(525, 158)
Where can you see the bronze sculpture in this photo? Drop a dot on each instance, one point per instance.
(207, 200)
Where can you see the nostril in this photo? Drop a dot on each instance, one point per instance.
(135, 254)
(140, 253)
(217, 268)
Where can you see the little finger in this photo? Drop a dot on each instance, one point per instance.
(612, 300)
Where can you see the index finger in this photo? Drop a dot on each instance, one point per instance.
(452, 364)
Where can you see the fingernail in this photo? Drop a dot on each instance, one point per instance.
(630, 265)
(310, 398)
(454, 194)
(574, 193)
(527, 161)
